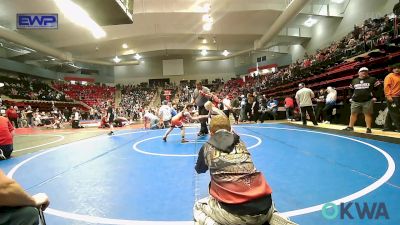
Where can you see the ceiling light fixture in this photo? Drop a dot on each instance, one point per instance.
(207, 7)
(310, 22)
(80, 17)
(207, 18)
(225, 53)
(203, 47)
(124, 45)
(116, 59)
(204, 52)
(207, 26)
(137, 56)
(337, 1)
(204, 41)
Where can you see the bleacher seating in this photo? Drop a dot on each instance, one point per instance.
(92, 95)
(372, 45)
(24, 87)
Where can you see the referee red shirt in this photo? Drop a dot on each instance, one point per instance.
(6, 128)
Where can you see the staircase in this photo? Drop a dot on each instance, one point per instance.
(156, 99)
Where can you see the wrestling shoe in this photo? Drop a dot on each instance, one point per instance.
(348, 129)
(200, 134)
(2, 157)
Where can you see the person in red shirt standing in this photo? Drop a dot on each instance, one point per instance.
(12, 116)
(6, 138)
(289, 106)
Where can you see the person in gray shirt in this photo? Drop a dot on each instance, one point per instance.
(200, 96)
(304, 98)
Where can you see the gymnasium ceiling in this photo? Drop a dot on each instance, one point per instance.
(165, 27)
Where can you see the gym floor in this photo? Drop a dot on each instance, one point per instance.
(133, 177)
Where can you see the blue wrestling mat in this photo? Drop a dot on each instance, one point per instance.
(134, 177)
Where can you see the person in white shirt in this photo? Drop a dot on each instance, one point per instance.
(165, 113)
(76, 117)
(304, 98)
(91, 114)
(153, 120)
(226, 102)
(330, 103)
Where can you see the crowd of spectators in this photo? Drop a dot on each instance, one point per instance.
(25, 87)
(26, 116)
(372, 34)
(134, 98)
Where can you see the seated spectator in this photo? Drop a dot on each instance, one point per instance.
(24, 119)
(18, 207)
(239, 194)
(272, 108)
(6, 138)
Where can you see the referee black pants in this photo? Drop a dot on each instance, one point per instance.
(310, 111)
(203, 122)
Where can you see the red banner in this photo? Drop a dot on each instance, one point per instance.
(167, 92)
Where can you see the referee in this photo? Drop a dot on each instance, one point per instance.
(200, 96)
